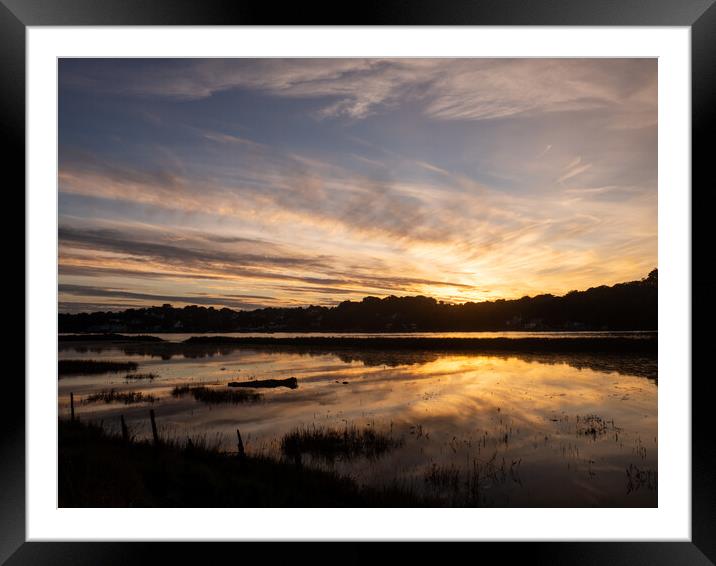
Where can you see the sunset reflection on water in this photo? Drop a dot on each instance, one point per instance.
(516, 430)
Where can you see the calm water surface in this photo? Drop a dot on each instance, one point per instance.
(518, 430)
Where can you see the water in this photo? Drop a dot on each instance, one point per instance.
(515, 430)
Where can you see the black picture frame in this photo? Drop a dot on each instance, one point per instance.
(699, 15)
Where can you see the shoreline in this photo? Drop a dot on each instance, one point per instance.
(644, 344)
(152, 334)
(557, 345)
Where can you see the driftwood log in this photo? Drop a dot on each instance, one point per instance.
(290, 382)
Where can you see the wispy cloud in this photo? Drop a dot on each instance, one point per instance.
(263, 182)
(575, 168)
(137, 258)
(219, 137)
(132, 298)
(449, 89)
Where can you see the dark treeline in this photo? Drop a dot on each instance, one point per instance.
(625, 306)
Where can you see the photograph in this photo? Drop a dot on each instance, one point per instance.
(327, 282)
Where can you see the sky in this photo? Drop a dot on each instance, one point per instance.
(248, 183)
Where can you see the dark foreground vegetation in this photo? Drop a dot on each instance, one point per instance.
(89, 367)
(625, 306)
(100, 470)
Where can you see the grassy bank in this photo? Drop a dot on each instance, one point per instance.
(108, 337)
(100, 470)
(531, 345)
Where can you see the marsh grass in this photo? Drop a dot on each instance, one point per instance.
(215, 396)
(140, 376)
(331, 444)
(89, 367)
(471, 485)
(198, 443)
(640, 477)
(126, 397)
(98, 469)
(443, 477)
(594, 426)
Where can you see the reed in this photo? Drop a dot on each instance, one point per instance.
(126, 397)
(213, 396)
(331, 443)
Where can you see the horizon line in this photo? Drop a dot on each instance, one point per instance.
(438, 301)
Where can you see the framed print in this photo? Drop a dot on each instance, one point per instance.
(422, 275)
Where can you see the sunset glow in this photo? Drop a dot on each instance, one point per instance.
(246, 183)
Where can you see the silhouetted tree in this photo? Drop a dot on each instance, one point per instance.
(625, 306)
